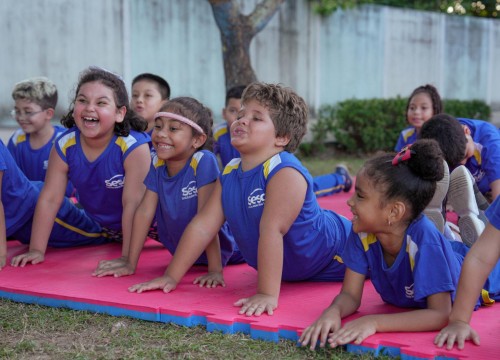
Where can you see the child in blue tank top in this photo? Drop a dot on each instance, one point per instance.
(17, 205)
(35, 102)
(410, 263)
(103, 146)
(267, 198)
(472, 143)
(323, 185)
(423, 103)
(178, 186)
(149, 93)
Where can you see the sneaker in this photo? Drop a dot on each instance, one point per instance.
(461, 198)
(434, 211)
(342, 171)
(481, 201)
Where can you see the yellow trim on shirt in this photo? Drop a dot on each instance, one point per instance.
(232, 165)
(485, 297)
(367, 240)
(78, 231)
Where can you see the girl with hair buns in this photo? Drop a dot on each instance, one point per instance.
(410, 263)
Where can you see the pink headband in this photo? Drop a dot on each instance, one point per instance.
(180, 118)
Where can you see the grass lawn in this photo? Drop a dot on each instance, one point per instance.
(38, 332)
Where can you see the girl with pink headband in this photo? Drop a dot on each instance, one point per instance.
(180, 181)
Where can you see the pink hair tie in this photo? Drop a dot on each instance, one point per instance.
(180, 118)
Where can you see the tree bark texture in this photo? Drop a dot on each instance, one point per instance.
(237, 31)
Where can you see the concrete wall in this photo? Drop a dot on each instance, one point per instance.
(367, 52)
(57, 39)
(377, 51)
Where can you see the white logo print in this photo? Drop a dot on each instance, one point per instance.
(116, 182)
(256, 198)
(189, 191)
(45, 164)
(409, 291)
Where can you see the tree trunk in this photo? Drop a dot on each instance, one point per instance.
(237, 31)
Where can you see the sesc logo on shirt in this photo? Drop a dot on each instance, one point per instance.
(45, 164)
(256, 198)
(189, 191)
(116, 182)
(410, 293)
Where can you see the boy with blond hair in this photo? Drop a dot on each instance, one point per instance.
(35, 100)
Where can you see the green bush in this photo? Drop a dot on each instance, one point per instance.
(473, 109)
(365, 126)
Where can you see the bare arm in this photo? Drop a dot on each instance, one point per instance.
(477, 265)
(431, 318)
(280, 211)
(136, 167)
(47, 206)
(495, 189)
(198, 234)
(213, 251)
(143, 217)
(195, 239)
(344, 304)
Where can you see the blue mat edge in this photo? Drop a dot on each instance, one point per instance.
(195, 320)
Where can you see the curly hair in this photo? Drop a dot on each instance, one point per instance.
(116, 84)
(194, 111)
(288, 111)
(412, 181)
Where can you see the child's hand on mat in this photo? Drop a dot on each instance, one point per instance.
(328, 323)
(257, 305)
(210, 280)
(165, 283)
(32, 256)
(117, 271)
(355, 331)
(456, 332)
(108, 264)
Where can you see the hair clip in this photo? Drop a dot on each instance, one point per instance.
(403, 155)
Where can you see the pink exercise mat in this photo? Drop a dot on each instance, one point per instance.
(64, 280)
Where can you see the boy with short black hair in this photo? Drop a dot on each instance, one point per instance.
(149, 93)
(472, 143)
(472, 150)
(222, 137)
